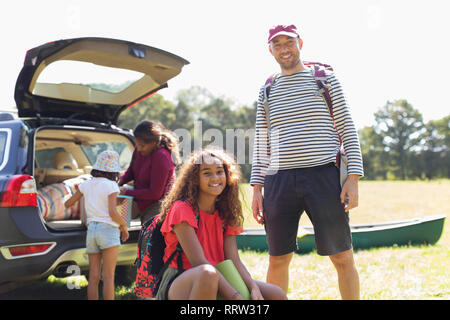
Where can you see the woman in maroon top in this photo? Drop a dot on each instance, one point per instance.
(152, 168)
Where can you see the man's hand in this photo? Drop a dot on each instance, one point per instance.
(349, 194)
(257, 204)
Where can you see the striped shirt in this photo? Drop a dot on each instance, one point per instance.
(302, 134)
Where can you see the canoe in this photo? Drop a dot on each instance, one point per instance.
(416, 231)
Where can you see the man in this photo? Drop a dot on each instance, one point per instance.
(294, 162)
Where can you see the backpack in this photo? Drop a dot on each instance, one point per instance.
(320, 75)
(149, 261)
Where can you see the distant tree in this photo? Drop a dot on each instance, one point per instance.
(197, 104)
(217, 114)
(435, 155)
(375, 158)
(400, 126)
(184, 116)
(196, 98)
(153, 108)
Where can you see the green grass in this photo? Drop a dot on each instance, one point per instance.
(393, 273)
(408, 272)
(399, 273)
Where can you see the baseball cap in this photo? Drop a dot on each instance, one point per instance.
(107, 161)
(290, 31)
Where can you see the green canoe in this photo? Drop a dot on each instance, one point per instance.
(426, 230)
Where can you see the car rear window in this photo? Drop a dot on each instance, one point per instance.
(65, 72)
(93, 149)
(5, 137)
(45, 158)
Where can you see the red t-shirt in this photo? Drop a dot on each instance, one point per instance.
(210, 233)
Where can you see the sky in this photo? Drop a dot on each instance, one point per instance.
(380, 50)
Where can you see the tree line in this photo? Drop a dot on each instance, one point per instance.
(400, 145)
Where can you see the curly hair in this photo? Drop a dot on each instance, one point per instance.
(187, 186)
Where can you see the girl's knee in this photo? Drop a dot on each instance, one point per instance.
(278, 293)
(108, 277)
(208, 274)
(94, 277)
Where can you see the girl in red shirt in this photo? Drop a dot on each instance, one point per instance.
(203, 213)
(152, 168)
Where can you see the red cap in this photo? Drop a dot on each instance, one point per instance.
(290, 31)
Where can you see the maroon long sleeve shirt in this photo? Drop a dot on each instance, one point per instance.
(153, 177)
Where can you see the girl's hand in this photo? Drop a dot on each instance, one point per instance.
(236, 296)
(255, 293)
(74, 198)
(124, 233)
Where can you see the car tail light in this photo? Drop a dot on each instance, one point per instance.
(27, 250)
(20, 191)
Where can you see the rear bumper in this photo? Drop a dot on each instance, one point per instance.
(33, 268)
(24, 226)
(79, 257)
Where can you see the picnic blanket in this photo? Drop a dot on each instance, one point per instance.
(51, 199)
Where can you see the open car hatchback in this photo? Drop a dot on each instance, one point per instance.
(69, 95)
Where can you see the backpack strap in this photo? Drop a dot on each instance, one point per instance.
(267, 86)
(323, 85)
(144, 227)
(169, 260)
(179, 258)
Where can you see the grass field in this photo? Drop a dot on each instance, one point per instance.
(409, 272)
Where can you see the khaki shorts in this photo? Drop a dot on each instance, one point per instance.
(146, 214)
(168, 277)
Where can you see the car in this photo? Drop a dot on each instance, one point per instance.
(66, 115)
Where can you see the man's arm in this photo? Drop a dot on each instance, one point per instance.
(349, 135)
(346, 128)
(257, 203)
(261, 159)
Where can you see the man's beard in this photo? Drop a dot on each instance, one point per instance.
(290, 64)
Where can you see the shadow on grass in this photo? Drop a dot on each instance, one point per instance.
(63, 289)
(49, 289)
